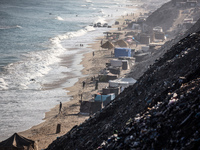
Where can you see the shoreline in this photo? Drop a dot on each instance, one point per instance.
(45, 132)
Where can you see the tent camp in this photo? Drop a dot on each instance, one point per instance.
(17, 142)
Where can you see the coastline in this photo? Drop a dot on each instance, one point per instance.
(45, 132)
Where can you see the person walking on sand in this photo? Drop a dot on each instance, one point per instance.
(83, 84)
(60, 108)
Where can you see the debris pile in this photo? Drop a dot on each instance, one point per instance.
(161, 110)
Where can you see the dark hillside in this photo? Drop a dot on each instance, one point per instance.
(161, 110)
(163, 16)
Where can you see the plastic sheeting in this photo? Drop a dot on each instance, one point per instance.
(124, 82)
(122, 52)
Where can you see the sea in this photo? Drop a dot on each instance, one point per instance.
(40, 53)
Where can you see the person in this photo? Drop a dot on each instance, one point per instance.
(96, 85)
(60, 108)
(83, 84)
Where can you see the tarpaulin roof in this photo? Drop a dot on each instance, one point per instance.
(108, 45)
(122, 52)
(125, 82)
(122, 43)
(17, 142)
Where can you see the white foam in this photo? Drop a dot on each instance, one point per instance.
(102, 20)
(3, 84)
(59, 18)
(9, 27)
(29, 73)
(88, 1)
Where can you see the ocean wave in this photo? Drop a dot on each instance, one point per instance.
(29, 73)
(68, 35)
(9, 27)
(88, 1)
(59, 18)
(3, 84)
(102, 20)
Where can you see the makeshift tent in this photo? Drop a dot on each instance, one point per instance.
(105, 98)
(122, 43)
(122, 52)
(131, 60)
(107, 77)
(107, 45)
(123, 82)
(17, 142)
(102, 98)
(114, 70)
(112, 95)
(108, 90)
(145, 39)
(125, 64)
(116, 63)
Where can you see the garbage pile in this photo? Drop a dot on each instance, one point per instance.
(160, 111)
(172, 124)
(172, 113)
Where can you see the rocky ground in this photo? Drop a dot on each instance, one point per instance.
(162, 110)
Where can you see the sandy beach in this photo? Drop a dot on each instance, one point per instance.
(92, 62)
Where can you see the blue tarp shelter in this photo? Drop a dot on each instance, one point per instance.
(112, 96)
(105, 98)
(102, 97)
(122, 52)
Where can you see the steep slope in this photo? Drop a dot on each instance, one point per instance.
(171, 117)
(163, 106)
(163, 16)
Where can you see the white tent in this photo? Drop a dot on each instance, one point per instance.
(123, 82)
(116, 62)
